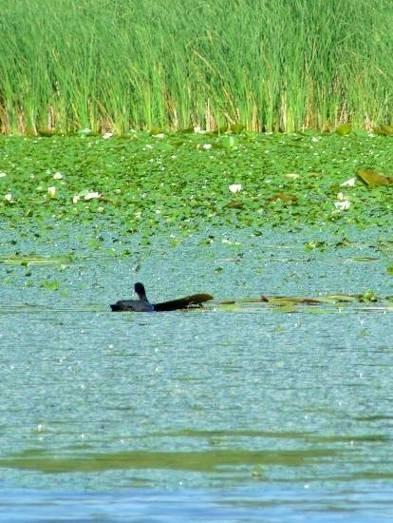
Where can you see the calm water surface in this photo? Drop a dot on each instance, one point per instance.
(239, 414)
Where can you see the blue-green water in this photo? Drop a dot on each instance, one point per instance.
(249, 413)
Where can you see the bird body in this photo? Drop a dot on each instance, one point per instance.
(142, 304)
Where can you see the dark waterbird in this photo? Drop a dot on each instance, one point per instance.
(142, 304)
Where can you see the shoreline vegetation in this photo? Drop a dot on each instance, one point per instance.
(255, 65)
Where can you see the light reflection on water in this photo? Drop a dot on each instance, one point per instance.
(251, 400)
(274, 504)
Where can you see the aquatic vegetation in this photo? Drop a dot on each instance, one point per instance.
(320, 304)
(208, 461)
(244, 65)
(146, 185)
(374, 179)
(34, 259)
(50, 285)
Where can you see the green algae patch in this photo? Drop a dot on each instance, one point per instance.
(150, 184)
(201, 461)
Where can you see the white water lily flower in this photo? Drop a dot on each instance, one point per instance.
(2, 174)
(235, 187)
(92, 196)
(342, 203)
(107, 135)
(8, 197)
(199, 130)
(207, 146)
(52, 191)
(86, 195)
(349, 183)
(58, 176)
(159, 135)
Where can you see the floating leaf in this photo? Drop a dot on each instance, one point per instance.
(289, 301)
(235, 204)
(368, 296)
(315, 244)
(373, 179)
(339, 298)
(290, 199)
(344, 129)
(344, 242)
(50, 285)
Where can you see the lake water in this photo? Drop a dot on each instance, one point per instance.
(247, 413)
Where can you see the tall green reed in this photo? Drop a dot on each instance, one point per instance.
(266, 65)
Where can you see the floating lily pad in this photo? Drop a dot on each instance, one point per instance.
(287, 198)
(235, 204)
(50, 285)
(373, 179)
(344, 129)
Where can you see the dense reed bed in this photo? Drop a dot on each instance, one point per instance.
(267, 65)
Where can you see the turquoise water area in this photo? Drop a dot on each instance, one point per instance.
(246, 412)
